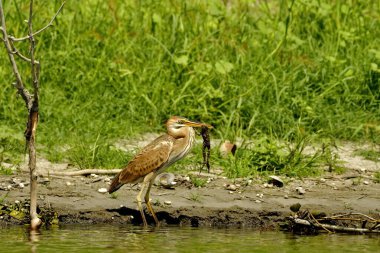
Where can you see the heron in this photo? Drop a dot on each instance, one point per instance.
(154, 158)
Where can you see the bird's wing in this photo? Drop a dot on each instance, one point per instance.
(149, 159)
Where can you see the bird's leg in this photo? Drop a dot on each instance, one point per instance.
(138, 198)
(147, 199)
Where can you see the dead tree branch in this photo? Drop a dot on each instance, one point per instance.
(31, 101)
(346, 223)
(42, 29)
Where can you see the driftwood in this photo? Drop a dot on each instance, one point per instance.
(350, 223)
(110, 172)
(82, 172)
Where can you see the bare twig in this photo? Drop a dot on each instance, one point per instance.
(22, 57)
(309, 220)
(19, 83)
(357, 214)
(319, 224)
(83, 172)
(42, 29)
(334, 227)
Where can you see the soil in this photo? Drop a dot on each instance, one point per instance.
(221, 202)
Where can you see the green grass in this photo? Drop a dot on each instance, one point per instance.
(258, 70)
(377, 177)
(369, 154)
(198, 181)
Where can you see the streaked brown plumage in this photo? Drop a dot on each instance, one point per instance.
(156, 156)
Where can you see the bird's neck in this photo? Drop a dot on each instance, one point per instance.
(183, 144)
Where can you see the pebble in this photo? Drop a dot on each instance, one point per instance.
(68, 183)
(260, 195)
(231, 187)
(258, 201)
(276, 181)
(107, 179)
(166, 180)
(94, 175)
(21, 185)
(44, 180)
(102, 190)
(168, 202)
(17, 201)
(286, 196)
(300, 190)
(322, 180)
(366, 182)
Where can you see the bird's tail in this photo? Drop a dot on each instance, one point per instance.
(115, 184)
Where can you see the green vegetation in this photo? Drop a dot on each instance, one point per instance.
(276, 72)
(198, 181)
(370, 154)
(377, 177)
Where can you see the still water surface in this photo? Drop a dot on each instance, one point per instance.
(175, 239)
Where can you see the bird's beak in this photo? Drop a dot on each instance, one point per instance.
(196, 124)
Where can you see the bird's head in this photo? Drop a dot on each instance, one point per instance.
(179, 125)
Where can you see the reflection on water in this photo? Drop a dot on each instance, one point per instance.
(176, 239)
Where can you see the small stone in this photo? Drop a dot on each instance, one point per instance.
(168, 202)
(17, 201)
(260, 195)
(16, 180)
(102, 190)
(94, 175)
(21, 185)
(165, 180)
(9, 187)
(295, 207)
(276, 181)
(186, 178)
(231, 187)
(107, 179)
(230, 192)
(286, 196)
(363, 170)
(322, 180)
(366, 182)
(258, 201)
(300, 190)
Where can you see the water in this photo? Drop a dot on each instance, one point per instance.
(174, 239)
